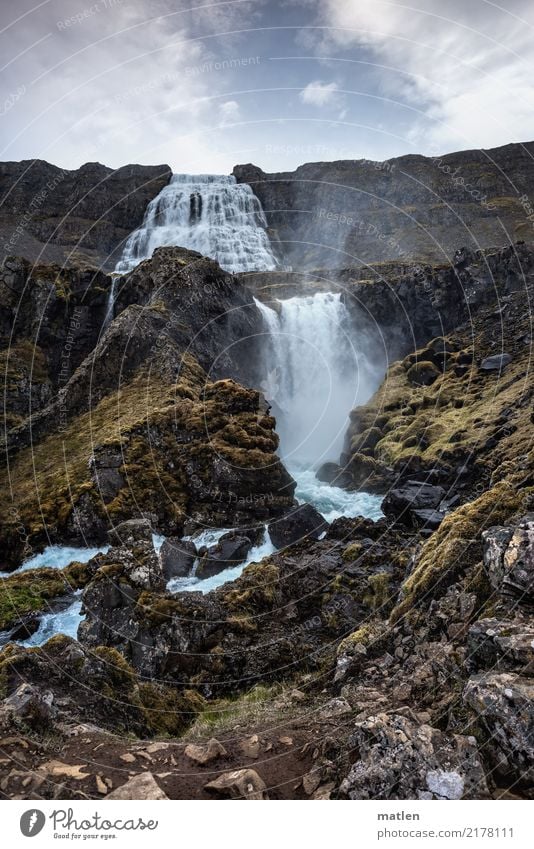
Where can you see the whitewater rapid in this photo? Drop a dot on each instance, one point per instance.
(208, 213)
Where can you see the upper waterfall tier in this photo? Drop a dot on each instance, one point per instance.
(208, 213)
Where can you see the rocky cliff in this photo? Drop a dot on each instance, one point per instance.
(410, 208)
(49, 214)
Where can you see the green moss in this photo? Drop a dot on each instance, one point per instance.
(169, 711)
(29, 592)
(256, 589)
(365, 636)
(456, 545)
(379, 595)
(352, 552)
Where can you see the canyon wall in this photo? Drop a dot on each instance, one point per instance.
(49, 214)
(413, 208)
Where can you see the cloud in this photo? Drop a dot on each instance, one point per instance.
(115, 81)
(464, 69)
(229, 111)
(318, 93)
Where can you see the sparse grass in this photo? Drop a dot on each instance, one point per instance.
(250, 708)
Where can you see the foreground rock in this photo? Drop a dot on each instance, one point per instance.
(400, 759)
(414, 501)
(504, 705)
(142, 787)
(241, 784)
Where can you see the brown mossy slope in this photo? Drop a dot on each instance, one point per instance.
(438, 410)
(180, 449)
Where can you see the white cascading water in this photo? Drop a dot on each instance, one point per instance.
(211, 214)
(314, 374)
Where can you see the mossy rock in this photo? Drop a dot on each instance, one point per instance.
(30, 591)
(457, 545)
(423, 373)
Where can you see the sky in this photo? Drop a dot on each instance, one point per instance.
(205, 86)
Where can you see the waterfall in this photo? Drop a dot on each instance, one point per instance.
(314, 374)
(211, 214)
(110, 306)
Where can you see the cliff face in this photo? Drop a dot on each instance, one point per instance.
(337, 214)
(49, 214)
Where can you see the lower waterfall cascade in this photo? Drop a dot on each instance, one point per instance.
(208, 213)
(314, 374)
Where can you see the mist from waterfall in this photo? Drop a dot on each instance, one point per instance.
(315, 372)
(208, 213)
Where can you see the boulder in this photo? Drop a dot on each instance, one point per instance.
(239, 784)
(400, 503)
(303, 522)
(401, 759)
(509, 559)
(501, 645)
(504, 707)
(142, 787)
(131, 531)
(177, 557)
(427, 518)
(231, 549)
(202, 755)
(333, 474)
(497, 362)
(423, 373)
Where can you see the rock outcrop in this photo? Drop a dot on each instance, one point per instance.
(411, 208)
(51, 215)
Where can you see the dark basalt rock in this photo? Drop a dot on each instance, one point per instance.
(427, 518)
(231, 549)
(177, 557)
(497, 362)
(303, 522)
(83, 215)
(327, 213)
(412, 496)
(333, 474)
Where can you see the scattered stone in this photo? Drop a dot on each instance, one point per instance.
(203, 755)
(311, 781)
(239, 784)
(335, 707)
(101, 786)
(497, 362)
(128, 758)
(324, 792)
(141, 787)
(250, 748)
(74, 771)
